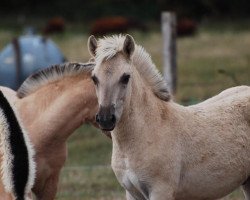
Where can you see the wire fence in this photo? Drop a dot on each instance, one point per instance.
(86, 167)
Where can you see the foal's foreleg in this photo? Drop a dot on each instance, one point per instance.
(162, 192)
(129, 196)
(136, 195)
(246, 189)
(162, 196)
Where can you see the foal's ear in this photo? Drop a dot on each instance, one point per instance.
(92, 45)
(129, 45)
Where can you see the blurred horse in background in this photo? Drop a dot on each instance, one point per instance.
(116, 24)
(52, 104)
(54, 25)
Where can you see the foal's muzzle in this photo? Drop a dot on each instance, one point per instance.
(106, 117)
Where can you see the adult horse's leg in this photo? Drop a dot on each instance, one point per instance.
(246, 189)
(50, 189)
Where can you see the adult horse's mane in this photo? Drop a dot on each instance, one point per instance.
(108, 47)
(51, 74)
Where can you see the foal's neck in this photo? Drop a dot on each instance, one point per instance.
(138, 111)
(54, 111)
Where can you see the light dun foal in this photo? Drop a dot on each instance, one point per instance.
(162, 150)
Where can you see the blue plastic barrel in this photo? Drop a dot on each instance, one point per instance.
(26, 55)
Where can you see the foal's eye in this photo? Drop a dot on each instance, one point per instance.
(124, 79)
(95, 80)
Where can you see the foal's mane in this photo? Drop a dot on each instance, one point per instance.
(108, 47)
(51, 74)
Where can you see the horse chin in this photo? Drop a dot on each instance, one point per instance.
(108, 129)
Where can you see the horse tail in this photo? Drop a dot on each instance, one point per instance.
(17, 166)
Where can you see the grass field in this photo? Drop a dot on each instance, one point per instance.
(87, 174)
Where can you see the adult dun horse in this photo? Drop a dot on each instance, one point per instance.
(162, 150)
(16, 151)
(52, 104)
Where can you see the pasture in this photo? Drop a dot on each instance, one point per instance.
(87, 174)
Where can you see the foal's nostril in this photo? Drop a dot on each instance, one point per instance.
(97, 118)
(113, 119)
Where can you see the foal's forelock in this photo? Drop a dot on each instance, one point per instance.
(108, 47)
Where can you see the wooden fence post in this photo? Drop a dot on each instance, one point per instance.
(18, 61)
(168, 21)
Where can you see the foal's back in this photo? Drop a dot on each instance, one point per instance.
(234, 102)
(228, 110)
(234, 95)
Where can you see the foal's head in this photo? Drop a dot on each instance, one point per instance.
(111, 76)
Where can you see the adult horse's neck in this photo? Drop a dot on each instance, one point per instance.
(56, 109)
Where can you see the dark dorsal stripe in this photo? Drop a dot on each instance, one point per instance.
(18, 149)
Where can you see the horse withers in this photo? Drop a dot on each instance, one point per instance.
(162, 150)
